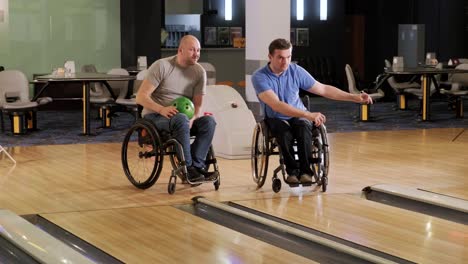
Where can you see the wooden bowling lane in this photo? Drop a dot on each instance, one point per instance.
(405, 234)
(79, 177)
(61, 178)
(415, 158)
(66, 178)
(165, 234)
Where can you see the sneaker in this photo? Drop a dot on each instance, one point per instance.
(209, 175)
(193, 175)
(306, 178)
(292, 179)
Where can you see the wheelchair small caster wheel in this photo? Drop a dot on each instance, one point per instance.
(216, 184)
(276, 186)
(324, 183)
(171, 185)
(171, 188)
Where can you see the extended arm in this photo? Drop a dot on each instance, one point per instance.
(334, 93)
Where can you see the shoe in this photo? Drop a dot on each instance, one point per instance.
(292, 179)
(209, 175)
(193, 175)
(306, 178)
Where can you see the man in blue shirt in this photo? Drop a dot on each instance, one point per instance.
(277, 86)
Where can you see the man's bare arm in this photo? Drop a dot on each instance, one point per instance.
(272, 100)
(334, 93)
(144, 99)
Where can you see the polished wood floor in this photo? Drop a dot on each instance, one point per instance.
(83, 189)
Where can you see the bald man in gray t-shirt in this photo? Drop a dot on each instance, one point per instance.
(168, 79)
(173, 81)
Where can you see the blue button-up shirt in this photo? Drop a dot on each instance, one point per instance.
(286, 86)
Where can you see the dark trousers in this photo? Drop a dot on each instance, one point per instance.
(285, 132)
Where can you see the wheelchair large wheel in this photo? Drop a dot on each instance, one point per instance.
(259, 155)
(142, 156)
(320, 156)
(325, 149)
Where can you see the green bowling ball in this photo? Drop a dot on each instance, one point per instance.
(184, 106)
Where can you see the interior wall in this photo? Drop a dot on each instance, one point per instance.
(38, 36)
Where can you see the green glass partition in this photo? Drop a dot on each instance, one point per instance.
(37, 36)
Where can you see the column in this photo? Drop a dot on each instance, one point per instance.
(265, 21)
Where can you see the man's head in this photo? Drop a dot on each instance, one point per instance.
(280, 51)
(189, 51)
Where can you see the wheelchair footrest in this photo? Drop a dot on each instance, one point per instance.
(298, 184)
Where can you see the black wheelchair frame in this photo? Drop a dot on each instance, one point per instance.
(143, 151)
(264, 145)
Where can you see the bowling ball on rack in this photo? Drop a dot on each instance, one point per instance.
(184, 106)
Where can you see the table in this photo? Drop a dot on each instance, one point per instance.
(428, 75)
(85, 78)
(67, 96)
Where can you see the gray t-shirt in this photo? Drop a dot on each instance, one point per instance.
(172, 81)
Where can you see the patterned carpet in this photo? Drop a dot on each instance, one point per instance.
(64, 127)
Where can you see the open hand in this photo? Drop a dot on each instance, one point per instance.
(168, 111)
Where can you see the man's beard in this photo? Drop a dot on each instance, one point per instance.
(192, 61)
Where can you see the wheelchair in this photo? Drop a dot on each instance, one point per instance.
(143, 151)
(264, 145)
